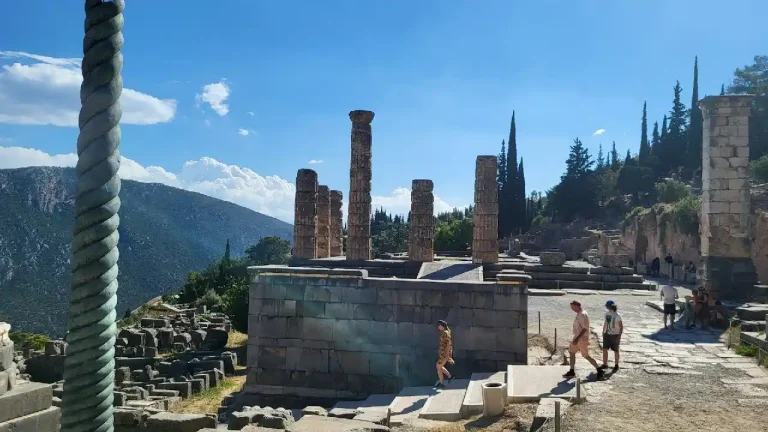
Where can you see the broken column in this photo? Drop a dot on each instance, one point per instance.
(421, 237)
(337, 224)
(360, 174)
(305, 219)
(323, 222)
(727, 270)
(485, 237)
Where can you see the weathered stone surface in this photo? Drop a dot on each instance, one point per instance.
(614, 260)
(315, 410)
(421, 236)
(305, 219)
(6, 356)
(552, 258)
(47, 420)
(323, 222)
(360, 175)
(337, 224)
(485, 235)
(25, 399)
(170, 422)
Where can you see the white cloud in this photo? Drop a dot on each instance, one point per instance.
(315, 161)
(243, 132)
(250, 113)
(41, 90)
(599, 132)
(270, 195)
(215, 95)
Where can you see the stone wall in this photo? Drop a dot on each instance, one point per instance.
(329, 333)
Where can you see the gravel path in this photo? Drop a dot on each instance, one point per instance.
(678, 380)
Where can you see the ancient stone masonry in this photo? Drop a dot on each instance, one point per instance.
(323, 222)
(337, 333)
(305, 219)
(337, 224)
(727, 270)
(360, 175)
(421, 238)
(485, 238)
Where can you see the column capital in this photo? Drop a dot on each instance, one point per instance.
(337, 195)
(422, 185)
(361, 116)
(724, 105)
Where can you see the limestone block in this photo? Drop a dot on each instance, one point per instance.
(552, 258)
(5, 337)
(617, 260)
(6, 356)
(170, 422)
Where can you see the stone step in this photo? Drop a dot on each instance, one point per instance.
(446, 404)
(47, 420)
(473, 398)
(752, 312)
(451, 270)
(409, 403)
(25, 399)
(753, 326)
(532, 383)
(586, 277)
(602, 286)
(378, 402)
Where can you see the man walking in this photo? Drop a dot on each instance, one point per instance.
(669, 295)
(580, 342)
(613, 327)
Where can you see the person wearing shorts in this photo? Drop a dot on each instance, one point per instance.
(580, 342)
(613, 327)
(669, 296)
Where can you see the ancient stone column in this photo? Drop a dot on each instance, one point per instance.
(485, 237)
(360, 174)
(305, 218)
(421, 237)
(727, 270)
(337, 224)
(323, 222)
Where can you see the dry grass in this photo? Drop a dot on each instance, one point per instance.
(208, 402)
(236, 339)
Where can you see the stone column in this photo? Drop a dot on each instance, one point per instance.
(726, 270)
(485, 237)
(323, 222)
(360, 174)
(337, 224)
(421, 237)
(305, 218)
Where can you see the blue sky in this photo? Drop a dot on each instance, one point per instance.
(443, 78)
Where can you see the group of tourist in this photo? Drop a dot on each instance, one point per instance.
(613, 328)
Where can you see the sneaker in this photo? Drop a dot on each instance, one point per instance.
(600, 375)
(615, 368)
(439, 385)
(603, 367)
(450, 378)
(570, 374)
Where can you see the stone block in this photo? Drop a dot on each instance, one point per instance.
(184, 388)
(170, 422)
(6, 356)
(216, 339)
(25, 399)
(47, 420)
(349, 362)
(317, 329)
(614, 260)
(552, 258)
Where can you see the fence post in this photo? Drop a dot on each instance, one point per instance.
(539, 322)
(557, 416)
(555, 339)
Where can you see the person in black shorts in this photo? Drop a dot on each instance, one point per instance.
(613, 327)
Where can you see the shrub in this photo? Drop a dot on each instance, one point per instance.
(234, 303)
(210, 299)
(540, 220)
(23, 341)
(758, 169)
(670, 191)
(685, 215)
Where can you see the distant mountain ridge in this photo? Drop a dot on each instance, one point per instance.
(165, 232)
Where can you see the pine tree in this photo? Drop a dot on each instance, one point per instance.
(722, 89)
(655, 138)
(510, 188)
(521, 205)
(227, 257)
(664, 128)
(677, 134)
(600, 163)
(614, 157)
(645, 150)
(501, 179)
(696, 128)
(628, 158)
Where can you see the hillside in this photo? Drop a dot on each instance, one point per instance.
(164, 233)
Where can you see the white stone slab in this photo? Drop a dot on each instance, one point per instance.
(446, 404)
(473, 398)
(377, 402)
(409, 403)
(531, 383)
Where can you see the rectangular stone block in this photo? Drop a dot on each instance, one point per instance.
(6, 356)
(268, 326)
(171, 422)
(47, 420)
(317, 329)
(25, 399)
(184, 388)
(349, 362)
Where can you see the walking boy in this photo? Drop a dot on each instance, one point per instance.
(613, 327)
(669, 295)
(580, 342)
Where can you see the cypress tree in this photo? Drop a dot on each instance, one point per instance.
(521, 204)
(628, 158)
(664, 128)
(501, 178)
(645, 149)
(655, 138)
(600, 163)
(722, 89)
(676, 134)
(696, 128)
(614, 157)
(227, 257)
(510, 188)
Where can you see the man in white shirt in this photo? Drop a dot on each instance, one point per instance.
(580, 342)
(613, 327)
(669, 295)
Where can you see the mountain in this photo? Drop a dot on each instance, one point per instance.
(164, 234)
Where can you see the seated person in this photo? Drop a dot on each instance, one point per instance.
(655, 267)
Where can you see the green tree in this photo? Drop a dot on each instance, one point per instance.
(511, 188)
(677, 135)
(227, 255)
(758, 169)
(645, 149)
(695, 129)
(269, 250)
(722, 90)
(521, 205)
(576, 195)
(501, 179)
(753, 79)
(614, 157)
(600, 163)
(635, 180)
